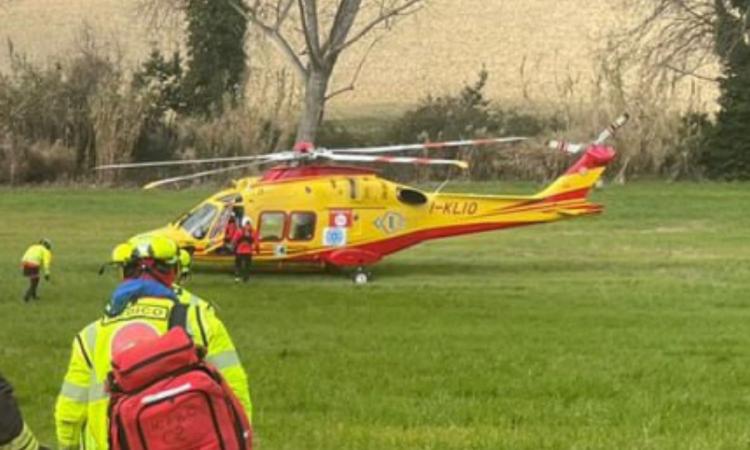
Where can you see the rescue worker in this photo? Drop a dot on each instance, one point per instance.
(140, 309)
(243, 241)
(14, 433)
(123, 256)
(36, 261)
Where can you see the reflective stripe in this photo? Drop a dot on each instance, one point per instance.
(201, 327)
(189, 329)
(224, 359)
(97, 392)
(91, 344)
(24, 441)
(76, 393)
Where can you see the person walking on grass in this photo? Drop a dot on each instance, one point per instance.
(243, 243)
(36, 261)
(14, 433)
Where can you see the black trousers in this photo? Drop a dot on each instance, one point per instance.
(242, 266)
(32, 273)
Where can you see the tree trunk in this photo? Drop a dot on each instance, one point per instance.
(315, 98)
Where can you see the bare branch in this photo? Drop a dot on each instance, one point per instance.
(283, 13)
(309, 16)
(342, 24)
(355, 77)
(275, 36)
(691, 73)
(400, 10)
(673, 34)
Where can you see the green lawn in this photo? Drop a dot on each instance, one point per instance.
(626, 331)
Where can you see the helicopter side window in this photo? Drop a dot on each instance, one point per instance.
(198, 221)
(271, 226)
(301, 226)
(411, 196)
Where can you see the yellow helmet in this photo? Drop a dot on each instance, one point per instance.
(122, 254)
(158, 248)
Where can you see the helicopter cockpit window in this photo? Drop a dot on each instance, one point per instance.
(301, 226)
(221, 224)
(271, 226)
(198, 221)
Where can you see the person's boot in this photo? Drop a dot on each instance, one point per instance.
(34, 286)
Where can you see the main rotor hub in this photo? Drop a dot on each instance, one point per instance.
(303, 147)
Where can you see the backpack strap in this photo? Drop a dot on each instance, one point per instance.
(178, 316)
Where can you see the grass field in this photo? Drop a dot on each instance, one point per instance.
(625, 331)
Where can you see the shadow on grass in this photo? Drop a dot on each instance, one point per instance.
(446, 268)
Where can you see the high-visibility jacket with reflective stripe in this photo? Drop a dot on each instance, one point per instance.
(24, 441)
(38, 255)
(81, 409)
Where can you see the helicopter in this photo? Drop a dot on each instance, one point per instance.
(349, 217)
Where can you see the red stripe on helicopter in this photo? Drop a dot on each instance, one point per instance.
(391, 245)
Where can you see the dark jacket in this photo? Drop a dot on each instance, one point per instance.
(11, 422)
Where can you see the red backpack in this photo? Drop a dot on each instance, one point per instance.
(164, 397)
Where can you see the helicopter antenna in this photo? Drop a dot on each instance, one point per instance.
(442, 185)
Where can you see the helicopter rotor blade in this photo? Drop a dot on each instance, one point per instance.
(204, 173)
(393, 160)
(428, 145)
(181, 162)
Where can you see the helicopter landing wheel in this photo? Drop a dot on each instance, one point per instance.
(361, 276)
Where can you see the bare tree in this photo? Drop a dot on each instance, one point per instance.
(294, 26)
(683, 37)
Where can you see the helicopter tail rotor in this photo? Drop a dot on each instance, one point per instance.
(574, 148)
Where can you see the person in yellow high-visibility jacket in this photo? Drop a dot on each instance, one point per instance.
(140, 308)
(36, 261)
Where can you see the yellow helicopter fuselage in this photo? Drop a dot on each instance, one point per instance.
(351, 217)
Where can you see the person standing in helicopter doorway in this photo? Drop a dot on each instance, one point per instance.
(36, 261)
(243, 241)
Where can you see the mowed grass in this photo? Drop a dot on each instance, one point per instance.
(626, 331)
